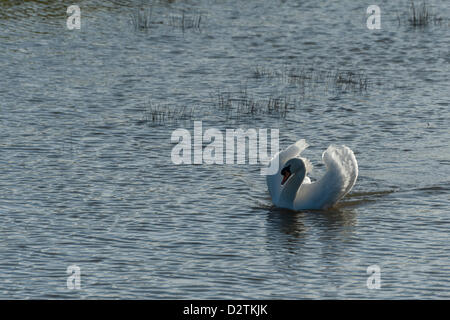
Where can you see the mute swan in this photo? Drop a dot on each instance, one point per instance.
(291, 188)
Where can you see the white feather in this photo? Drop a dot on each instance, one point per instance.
(339, 179)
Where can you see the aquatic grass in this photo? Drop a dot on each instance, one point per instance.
(163, 113)
(243, 104)
(184, 21)
(262, 72)
(142, 18)
(311, 78)
(350, 81)
(420, 16)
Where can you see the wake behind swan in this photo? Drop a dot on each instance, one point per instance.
(291, 187)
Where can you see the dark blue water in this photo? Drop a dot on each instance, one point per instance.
(87, 179)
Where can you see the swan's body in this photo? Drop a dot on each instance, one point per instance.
(291, 188)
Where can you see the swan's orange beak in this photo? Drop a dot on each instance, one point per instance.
(286, 175)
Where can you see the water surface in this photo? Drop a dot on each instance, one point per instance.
(87, 180)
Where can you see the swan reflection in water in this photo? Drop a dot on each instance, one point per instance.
(312, 244)
(297, 223)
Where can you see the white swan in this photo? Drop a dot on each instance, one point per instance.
(291, 188)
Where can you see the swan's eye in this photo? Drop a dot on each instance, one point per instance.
(286, 173)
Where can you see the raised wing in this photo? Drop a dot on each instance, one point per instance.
(341, 174)
(342, 161)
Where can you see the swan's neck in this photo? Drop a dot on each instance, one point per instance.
(289, 192)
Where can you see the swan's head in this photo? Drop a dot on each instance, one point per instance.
(294, 166)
